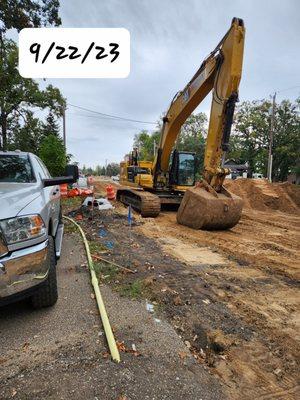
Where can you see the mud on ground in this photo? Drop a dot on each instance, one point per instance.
(232, 296)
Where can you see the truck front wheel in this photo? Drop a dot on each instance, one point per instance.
(46, 295)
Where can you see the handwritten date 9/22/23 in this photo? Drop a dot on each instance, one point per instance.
(73, 52)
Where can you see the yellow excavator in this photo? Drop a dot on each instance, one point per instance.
(170, 178)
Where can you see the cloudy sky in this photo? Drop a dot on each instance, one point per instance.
(169, 40)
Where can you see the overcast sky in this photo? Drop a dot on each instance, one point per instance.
(169, 40)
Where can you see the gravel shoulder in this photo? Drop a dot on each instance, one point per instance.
(61, 353)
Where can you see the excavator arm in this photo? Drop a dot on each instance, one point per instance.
(220, 73)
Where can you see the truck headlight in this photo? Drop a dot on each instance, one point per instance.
(22, 228)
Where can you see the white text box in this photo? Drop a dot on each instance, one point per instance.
(74, 53)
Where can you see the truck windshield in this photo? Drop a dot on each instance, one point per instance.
(15, 168)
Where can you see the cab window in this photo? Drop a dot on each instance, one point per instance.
(186, 169)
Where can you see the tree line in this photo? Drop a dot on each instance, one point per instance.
(110, 169)
(20, 128)
(249, 142)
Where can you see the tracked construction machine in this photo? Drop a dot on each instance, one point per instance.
(170, 178)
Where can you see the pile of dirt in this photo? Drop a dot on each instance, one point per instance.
(260, 194)
(292, 190)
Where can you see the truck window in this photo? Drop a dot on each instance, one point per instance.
(15, 168)
(43, 167)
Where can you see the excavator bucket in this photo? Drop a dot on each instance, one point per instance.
(202, 209)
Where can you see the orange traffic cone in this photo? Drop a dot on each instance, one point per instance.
(110, 192)
(64, 190)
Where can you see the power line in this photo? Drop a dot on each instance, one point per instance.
(289, 88)
(112, 116)
(95, 116)
(113, 122)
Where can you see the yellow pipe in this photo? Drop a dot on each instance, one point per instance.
(105, 321)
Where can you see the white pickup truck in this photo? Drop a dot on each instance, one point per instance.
(31, 228)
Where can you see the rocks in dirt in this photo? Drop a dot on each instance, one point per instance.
(149, 280)
(218, 341)
(182, 355)
(277, 371)
(177, 301)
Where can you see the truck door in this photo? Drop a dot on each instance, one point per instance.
(52, 196)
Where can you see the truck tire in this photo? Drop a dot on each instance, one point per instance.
(47, 295)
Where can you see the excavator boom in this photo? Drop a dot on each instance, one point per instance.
(220, 73)
(209, 205)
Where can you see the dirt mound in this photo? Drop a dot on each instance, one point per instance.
(262, 195)
(292, 190)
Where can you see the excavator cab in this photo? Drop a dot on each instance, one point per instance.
(182, 169)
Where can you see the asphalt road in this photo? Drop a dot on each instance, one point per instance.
(61, 353)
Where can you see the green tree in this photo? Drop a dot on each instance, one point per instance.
(21, 14)
(286, 146)
(25, 137)
(192, 138)
(250, 134)
(98, 170)
(112, 169)
(147, 143)
(51, 126)
(18, 95)
(250, 137)
(53, 153)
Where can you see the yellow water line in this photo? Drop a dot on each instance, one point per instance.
(105, 321)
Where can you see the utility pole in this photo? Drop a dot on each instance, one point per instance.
(154, 147)
(106, 167)
(64, 126)
(270, 158)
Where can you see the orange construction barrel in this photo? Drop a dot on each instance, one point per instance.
(110, 192)
(64, 190)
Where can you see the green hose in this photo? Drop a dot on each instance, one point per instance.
(105, 321)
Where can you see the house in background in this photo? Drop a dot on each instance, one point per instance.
(237, 170)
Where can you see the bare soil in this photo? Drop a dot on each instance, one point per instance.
(60, 353)
(232, 296)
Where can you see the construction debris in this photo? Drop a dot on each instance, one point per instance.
(101, 203)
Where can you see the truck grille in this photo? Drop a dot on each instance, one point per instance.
(3, 247)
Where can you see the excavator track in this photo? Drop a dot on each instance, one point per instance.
(146, 203)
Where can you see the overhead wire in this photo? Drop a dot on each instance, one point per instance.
(289, 88)
(113, 117)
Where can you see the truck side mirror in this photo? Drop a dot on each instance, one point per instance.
(72, 170)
